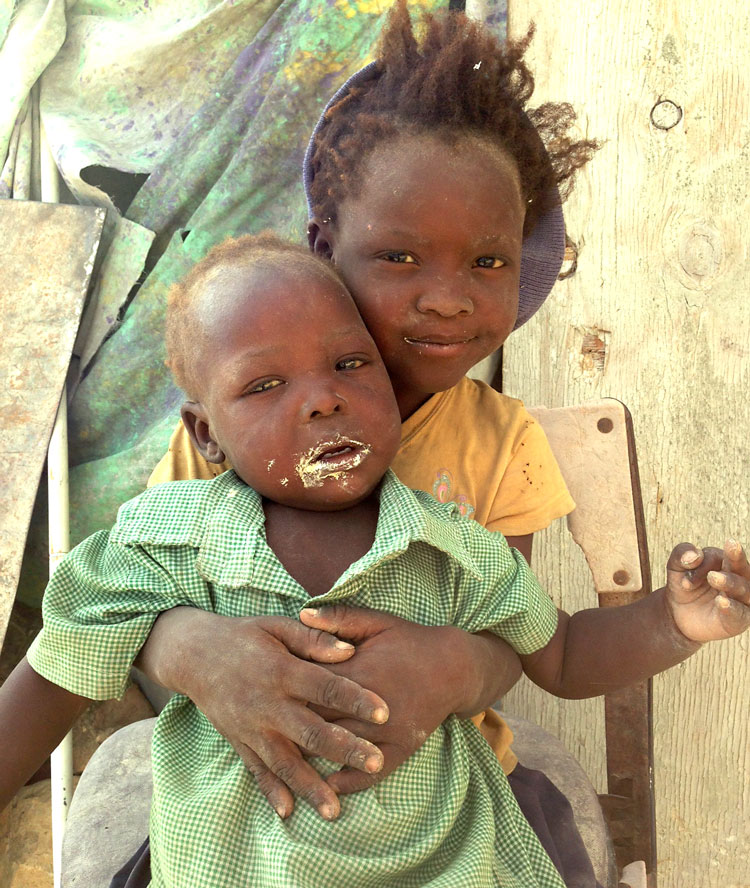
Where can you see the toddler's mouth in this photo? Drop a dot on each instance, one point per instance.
(330, 459)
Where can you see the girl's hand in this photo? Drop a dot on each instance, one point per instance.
(253, 679)
(425, 673)
(708, 591)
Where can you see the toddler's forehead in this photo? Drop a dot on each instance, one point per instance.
(290, 288)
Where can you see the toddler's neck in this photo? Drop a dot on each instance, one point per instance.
(317, 547)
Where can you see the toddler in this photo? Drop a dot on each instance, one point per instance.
(284, 380)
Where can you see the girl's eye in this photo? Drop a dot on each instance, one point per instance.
(349, 364)
(398, 256)
(264, 386)
(489, 262)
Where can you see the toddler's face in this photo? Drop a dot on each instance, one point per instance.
(293, 389)
(431, 251)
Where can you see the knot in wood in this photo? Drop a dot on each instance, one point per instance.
(700, 253)
(666, 114)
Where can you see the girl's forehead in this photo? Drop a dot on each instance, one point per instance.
(426, 183)
(439, 160)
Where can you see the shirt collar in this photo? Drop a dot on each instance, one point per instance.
(233, 552)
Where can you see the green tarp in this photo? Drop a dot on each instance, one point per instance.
(214, 103)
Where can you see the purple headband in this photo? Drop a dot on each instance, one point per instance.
(542, 252)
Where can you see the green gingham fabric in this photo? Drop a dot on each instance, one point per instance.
(446, 817)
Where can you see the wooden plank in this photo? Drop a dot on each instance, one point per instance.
(48, 255)
(662, 271)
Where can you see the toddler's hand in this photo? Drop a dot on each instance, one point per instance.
(708, 591)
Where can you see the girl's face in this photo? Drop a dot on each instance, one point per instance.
(430, 249)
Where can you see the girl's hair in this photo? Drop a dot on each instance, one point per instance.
(455, 79)
(183, 332)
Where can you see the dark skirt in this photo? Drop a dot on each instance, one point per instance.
(543, 805)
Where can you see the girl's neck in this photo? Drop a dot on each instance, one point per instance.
(410, 402)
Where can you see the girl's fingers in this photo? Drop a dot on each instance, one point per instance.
(730, 585)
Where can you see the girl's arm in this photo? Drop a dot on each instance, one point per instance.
(35, 715)
(423, 673)
(602, 649)
(253, 678)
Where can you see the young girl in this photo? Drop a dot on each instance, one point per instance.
(430, 187)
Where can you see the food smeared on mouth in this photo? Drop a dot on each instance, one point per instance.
(330, 459)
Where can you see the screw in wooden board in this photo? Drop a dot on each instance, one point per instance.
(621, 577)
(666, 114)
(570, 259)
(605, 425)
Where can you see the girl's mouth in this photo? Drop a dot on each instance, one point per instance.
(330, 459)
(439, 345)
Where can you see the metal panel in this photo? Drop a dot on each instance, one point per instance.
(48, 253)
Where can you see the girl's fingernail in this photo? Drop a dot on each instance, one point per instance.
(716, 578)
(733, 546)
(328, 812)
(373, 763)
(310, 611)
(343, 646)
(380, 715)
(689, 558)
(281, 811)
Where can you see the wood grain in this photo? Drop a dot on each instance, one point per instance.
(660, 221)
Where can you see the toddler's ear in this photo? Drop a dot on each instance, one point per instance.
(319, 238)
(195, 419)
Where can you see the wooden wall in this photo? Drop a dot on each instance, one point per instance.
(657, 314)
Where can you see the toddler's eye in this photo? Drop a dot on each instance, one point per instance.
(489, 262)
(398, 256)
(263, 386)
(349, 364)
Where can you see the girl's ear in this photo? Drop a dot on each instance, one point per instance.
(196, 422)
(320, 238)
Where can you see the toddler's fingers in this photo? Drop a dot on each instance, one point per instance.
(735, 559)
(691, 564)
(735, 615)
(730, 585)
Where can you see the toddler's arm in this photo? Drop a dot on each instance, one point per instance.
(35, 715)
(599, 650)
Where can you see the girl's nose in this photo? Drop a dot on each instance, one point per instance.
(446, 296)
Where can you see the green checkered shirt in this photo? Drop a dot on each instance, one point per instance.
(446, 817)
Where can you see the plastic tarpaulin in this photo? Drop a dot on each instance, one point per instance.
(213, 101)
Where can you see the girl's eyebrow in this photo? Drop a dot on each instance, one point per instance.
(481, 242)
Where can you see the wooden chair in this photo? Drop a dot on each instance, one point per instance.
(594, 446)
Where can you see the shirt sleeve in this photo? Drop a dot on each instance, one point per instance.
(532, 493)
(508, 599)
(182, 462)
(98, 610)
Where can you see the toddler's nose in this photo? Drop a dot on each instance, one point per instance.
(322, 400)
